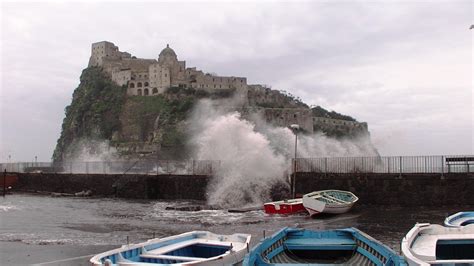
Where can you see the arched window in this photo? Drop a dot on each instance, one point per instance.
(155, 90)
(139, 84)
(132, 85)
(139, 92)
(145, 92)
(146, 84)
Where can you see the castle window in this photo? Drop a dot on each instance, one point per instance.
(145, 92)
(132, 85)
(166, 75)
(155, 90)
(139, 84)
(139, 92)
(146, 84)
(214, 86)
(213, 80)
(139, 76)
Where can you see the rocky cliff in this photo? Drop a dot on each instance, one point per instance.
(157, 126)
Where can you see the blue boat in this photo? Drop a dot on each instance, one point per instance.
(193, 248)
(291, 246)
(460, 219)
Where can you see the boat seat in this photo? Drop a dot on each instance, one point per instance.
(323, 244)
(170, 257)
(169, 248)
(335, 199)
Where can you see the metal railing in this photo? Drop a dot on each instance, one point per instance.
(384, 164)
(185, 167)
(388, 164)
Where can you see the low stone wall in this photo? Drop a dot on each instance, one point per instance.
(392, 189)
(378, 189)
(126, 186)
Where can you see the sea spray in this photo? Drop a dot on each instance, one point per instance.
(248, 165)
(254, 155)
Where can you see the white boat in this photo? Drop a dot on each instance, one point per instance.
(433, 244)
(460, 219)
(329, 201)
(192, 248)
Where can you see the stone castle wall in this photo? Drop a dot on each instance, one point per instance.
(146, 77)
(350, 128)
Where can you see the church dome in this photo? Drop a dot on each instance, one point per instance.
(168, 51)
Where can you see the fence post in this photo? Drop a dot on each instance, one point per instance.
(4, 182)
(467, 164)
(400, 166)
(442, 166)
(426, 164)
(325, 166)
(388, 164)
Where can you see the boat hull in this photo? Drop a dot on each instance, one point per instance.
(192, 248)
(319, 202)
(330, 209)
(291, 246)
(431, 244)
(460, 219)
(284, 207)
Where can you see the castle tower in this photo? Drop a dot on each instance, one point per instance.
(105, 50)
(167, 57)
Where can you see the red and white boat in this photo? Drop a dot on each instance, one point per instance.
(329, 201)
(284, 206)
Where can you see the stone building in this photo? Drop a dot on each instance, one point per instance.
(150, 77)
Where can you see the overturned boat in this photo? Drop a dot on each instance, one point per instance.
(284, 206)
(433, 244)
(329, 201)
(192, 248)
(460, 219)
(334, 247)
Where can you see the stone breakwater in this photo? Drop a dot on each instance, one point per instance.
(378, 189)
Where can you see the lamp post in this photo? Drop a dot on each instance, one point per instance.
(295, 128)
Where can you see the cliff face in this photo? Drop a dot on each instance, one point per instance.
(94, 112)
(156, 126)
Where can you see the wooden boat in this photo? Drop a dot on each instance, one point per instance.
(433, 244)
(350, 246)
(329, 201)
(192, 248)
(284, 206)
(460, 219)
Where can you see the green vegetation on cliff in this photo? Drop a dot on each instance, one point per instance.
(158, 114)
(318, 111)
(94, 110)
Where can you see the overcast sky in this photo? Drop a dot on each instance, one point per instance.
(404, 68)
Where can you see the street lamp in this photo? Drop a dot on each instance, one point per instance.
(295, 128)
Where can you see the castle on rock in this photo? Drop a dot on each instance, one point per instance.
(145, 77)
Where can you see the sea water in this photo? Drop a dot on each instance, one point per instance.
(44, 220)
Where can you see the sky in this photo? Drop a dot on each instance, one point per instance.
(405, 68)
